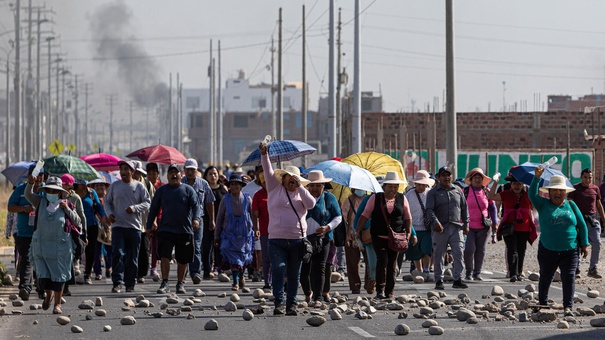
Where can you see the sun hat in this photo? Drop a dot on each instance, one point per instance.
(444, 169)
(190, 164)
(557, 182)
(138, 166)
(98, 181)
(317, 177)
(67, 179)
(392, 178)
(235, 178)
(477, 171)
(52, 182)
(423, 177)
(129, 163)
(292, 171)
(239, 170)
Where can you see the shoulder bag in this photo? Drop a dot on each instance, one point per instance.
(425, 217)
(508, 229)
(306, 250)
(397, 241)
(485, 221)
(340, 232)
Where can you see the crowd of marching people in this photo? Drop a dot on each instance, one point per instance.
(279, 228)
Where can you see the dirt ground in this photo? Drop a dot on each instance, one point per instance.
(495, 261)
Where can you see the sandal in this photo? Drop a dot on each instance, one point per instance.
(58, 310)
(568, 312)
(235, 287)
(46, 302)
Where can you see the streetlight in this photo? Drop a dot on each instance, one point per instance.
(8, 105)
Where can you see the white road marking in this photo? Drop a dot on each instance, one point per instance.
(361, 332)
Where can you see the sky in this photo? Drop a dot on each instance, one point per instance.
(507, 52)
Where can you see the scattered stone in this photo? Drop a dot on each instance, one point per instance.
(13, 297)
(563, 325)
(419, 279)
(126, 309)
(316, 321)
(437, 304)
(585, 311)
(428, 323)
(450, 302)
(222, 295)
(531, 287)
(240, 305)
(426, 311)
(464, 314)
(157, 314)
(143, 303)
(395, 306)
(598, 322)
(257, 293)
(88, 317)
(234, 297)
(522, 292)
(17, 303)
(129, 303)
(172, 300)
(230, 307)
(535, 277)
(511, 296)
(402, 329)
(370, 310)
(190, 317)
(248, 315)
(571, 319)
(128, 320)
(173, 311)
(422, 303)
(17, 311)
(361, 315)
(186, 309)
(196, 300)
(222, 277)
(402, 315)
(499, 299)
(544, 316)
(163, 306)
(335, 277)
(436, 330)
(63, 320)
(198, 293)
(599, 309)
(335, 314)
(432, 293)
(140, 298)
(497, 291)
(188, 302)
(578, 299)
(472, 321)
(593, 294)
(211, 325)
(76, 329)
(107, 328)
(35, 306)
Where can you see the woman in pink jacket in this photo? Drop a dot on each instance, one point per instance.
(288, 202)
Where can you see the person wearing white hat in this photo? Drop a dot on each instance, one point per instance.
(562, 231)
(421, 252)
(288, 202)
(52, 244)
(392, 205)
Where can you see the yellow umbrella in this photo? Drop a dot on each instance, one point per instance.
(376, 163)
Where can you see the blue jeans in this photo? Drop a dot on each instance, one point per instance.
(125, 256)
(195, 267)
(549, 261)
(285, 262)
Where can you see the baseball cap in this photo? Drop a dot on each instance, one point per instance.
(444, 169)
(190, 164)
(152, 167)
(173, 167)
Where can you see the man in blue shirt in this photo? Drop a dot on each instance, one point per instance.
(180, 218)
(26, 215)
(206, 203)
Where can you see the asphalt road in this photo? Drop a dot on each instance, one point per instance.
(39, 324)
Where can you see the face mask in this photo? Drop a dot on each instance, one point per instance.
(261, 177)
(360, 192)
(52, 198)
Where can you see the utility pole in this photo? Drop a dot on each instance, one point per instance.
(56, 130)
(451, 130)
(76, 115)
(87, 122)
(18, 126)
(356, 121)
(46, 138)
(8, 106)
(304, 83)
(131, 130)
(169, 122)
(339, 82)
(273, 118)
(110, 100)
(280, 84)
(331, 88)
(177, 132)
(30, 119)
(211, 106)
(220, 109)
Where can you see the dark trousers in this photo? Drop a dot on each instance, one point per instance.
(313, 274)
(515, 251)
(567, 262)
(91, 257)
(207, 248)
(25, 268)
(125, 243)
(386, 259)
(353, 257)
(264, 243)
(143, 256)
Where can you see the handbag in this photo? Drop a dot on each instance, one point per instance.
(340, 232)
(485, 221)
(317, 243)
(306, 250)
(425, 218)
(104, 235)
(396, 241)
(507, 229)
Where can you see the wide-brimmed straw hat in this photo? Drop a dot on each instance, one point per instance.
(423, 177)
(557, 182)
(317, 176)
(392, 178)
(292, 171)
(53, 183)
(477, 171)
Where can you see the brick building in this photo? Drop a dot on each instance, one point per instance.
(568, 103)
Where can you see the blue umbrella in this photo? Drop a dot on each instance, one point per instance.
(17, 172)
(348, 175)
(525, 173)
(281, 150)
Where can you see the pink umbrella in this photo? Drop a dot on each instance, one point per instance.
(160, 154)
(102, 161)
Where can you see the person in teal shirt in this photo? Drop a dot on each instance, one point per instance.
(562, 231)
